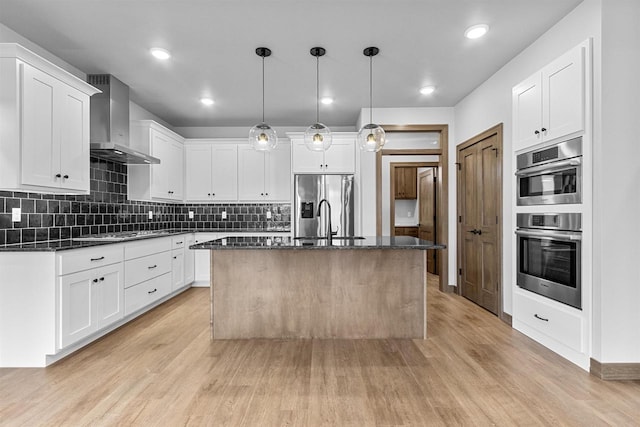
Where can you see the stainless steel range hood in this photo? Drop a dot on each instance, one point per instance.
(110, 122)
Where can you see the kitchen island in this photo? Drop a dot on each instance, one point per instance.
(278, 287)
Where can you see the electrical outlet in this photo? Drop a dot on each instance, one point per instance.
(150, 214)
(268, 214)
(224, 214)
(190, 214)
(15, 214)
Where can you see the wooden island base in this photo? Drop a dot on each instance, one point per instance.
(346, 293)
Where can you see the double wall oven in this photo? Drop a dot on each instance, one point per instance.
(549, 245)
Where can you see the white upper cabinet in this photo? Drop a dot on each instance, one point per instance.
(551, 103)
(264, 176)
(164, 181)
(339, 158)
(211, 171)
(45, 132)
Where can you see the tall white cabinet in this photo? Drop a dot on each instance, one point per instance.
(164, 181)
(44, 140)
(211, 171)
(553, 105)
(264, 176)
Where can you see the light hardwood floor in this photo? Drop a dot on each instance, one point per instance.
(162, 369)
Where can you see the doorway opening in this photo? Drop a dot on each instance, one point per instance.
(479, 219)
(434, 155)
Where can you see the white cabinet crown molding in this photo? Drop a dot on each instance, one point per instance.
(14, 50)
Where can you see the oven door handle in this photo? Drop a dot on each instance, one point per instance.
(551, 235)
(550, 167)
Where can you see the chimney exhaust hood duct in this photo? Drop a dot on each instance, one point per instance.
(110, 122)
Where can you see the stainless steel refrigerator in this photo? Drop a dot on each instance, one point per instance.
(309, 191)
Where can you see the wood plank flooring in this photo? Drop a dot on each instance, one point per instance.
(162, 369)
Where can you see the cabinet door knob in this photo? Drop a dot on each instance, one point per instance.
(95, 280)
(66, 176)
(209, 194)
(58, 175)
(537, 132)
(175, 257)
(102, 279)
(543, 129)
(213, 194)
(266, 194)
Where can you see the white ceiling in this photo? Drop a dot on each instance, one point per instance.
(213, 46)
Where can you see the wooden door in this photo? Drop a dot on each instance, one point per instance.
(427, 214)
(479, 222)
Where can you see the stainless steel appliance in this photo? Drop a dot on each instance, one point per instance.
(549, 247)
(309, 220)
(551, 175)
(109, 119)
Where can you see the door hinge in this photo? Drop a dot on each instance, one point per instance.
(496, 151)
(497, 220)
(460, 218)
(435, 179)
(459, 165)
(460, 272)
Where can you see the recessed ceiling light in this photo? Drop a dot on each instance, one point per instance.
(476, 31)
(206, 101)
(160, 53)
(427, 90)
(327, 100)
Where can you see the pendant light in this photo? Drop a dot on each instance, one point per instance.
(262, 137)
(318, 137)
(371, 137)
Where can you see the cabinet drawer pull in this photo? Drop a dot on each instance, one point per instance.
(97, 259)
(179, 243)
(150, 292)
(151, 267)
(540, 318)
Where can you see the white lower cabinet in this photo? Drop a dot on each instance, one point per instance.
(558, 327)
(203, 260)
(146, 293)
(189, 260)
(89, 301)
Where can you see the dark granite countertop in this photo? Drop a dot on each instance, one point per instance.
(285, 242)
(67, 244)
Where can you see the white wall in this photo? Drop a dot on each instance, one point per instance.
(616, 190)
(490, 104)
(136, 112)
(367, 166)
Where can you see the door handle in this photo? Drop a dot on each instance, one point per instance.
(474, 231)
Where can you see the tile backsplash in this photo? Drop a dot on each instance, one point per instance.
(107, 210)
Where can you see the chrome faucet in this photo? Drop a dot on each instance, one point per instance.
(329, 233)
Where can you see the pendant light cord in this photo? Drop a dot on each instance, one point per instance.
(371, 89)
(263, 89)
(317, 89)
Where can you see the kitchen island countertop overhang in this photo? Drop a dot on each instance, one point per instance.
(278, 287)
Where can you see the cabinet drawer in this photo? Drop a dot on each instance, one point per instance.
(407, 231)
(145, 268)
(147, 247)
(556, 323)
(146, 293)
(179, 242)
(84, 259)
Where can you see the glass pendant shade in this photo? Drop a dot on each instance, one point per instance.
(262, 137)
(371, 137)
(318, 137)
